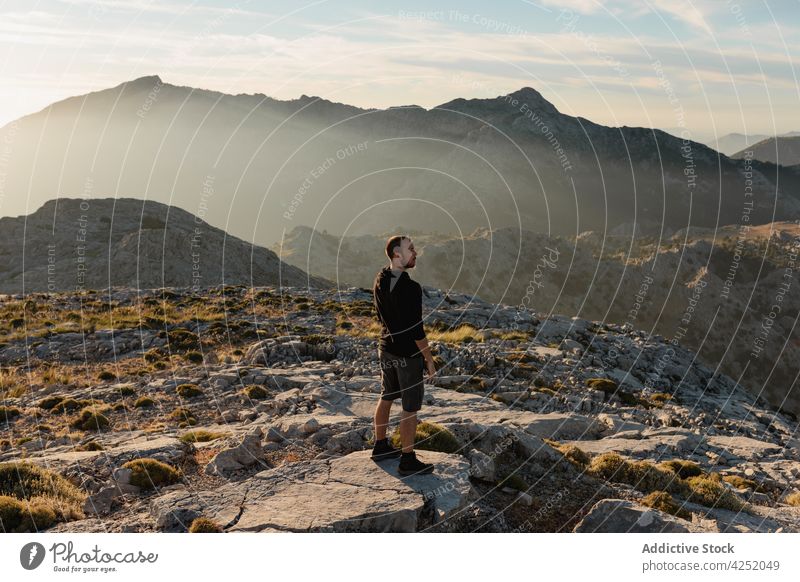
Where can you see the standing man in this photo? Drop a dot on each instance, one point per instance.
(403, 352)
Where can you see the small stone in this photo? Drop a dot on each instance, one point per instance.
(524, 498)
(311, 426)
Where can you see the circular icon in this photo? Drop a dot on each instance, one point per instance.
(31, 555)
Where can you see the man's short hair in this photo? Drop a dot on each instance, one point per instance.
(392, 244)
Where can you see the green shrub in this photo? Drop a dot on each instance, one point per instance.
(663, 501)
(194, 356)
(684, 469)
(573, 454)
(204, 525)
(8, 412)
(90, 419)
(150, 473)
(256, 392)
(24, 516)
(515, 481)
(69, 405)
(431, 437)
(154, 355)
(610, 387)
(200, 436)
(643, 475)
(106, 376)
(182, 339)
(660, 398)
(126, 390)
(144, 402)
(608, 466)
(183, 414)
(740, 482)
(90, 446)
(712, 493)
(603, 384)
(33, 498)
(49, 402)
(648, 477)
(189, 391)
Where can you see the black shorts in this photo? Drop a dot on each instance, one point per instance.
(401, 377)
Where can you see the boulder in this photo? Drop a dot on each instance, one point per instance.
(623, 516)
(243, 455)
(343, 494)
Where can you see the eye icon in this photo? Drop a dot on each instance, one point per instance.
(31, 555)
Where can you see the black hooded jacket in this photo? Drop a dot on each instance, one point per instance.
(399, 312)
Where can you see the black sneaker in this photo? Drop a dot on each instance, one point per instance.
(411, 465)
(383, 450)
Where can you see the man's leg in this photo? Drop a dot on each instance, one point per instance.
(382, 418)
(408, 428)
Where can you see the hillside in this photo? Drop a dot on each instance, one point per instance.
(82, 244)
(711, 289)
(242, 405)
(782, 150)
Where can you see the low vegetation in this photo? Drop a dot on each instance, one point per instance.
(189, 391)
(152, 473)
(90, 418)
(431, 437)
(200, 436)
(33, 498)
(705, 489)
(204, 525)
(663, 501)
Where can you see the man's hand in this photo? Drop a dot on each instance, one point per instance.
(431, 369)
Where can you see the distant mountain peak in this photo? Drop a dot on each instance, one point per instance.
(527, 96)
(532, 98)
(146, 81)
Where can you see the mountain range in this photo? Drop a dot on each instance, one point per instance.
(257, 167)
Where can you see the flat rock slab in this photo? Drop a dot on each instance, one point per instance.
(134, 448)
(450, 406)
(655, 446)
(756, 519)
(623, 516)
(344, 494)
(743, 447)
(545, 352)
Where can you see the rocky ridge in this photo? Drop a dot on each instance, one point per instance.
(529, 407)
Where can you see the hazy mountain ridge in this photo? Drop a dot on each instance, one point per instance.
(782, 150)
(271, 165)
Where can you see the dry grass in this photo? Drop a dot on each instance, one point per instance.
(663, 501)
(462, 334)
(33, 498)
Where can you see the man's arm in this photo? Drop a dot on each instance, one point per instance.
(418, 331)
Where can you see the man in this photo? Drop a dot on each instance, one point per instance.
(402, 352)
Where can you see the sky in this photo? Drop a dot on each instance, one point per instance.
(704, 67)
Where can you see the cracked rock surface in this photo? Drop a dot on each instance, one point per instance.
(351, 493)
